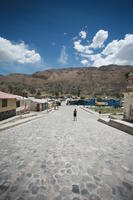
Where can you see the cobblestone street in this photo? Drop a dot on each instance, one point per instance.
(56, 158)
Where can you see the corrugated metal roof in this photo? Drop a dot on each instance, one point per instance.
(4, 95)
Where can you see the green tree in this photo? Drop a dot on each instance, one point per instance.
(10, 88)
(33, 90)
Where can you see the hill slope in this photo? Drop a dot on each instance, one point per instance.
(106, 80)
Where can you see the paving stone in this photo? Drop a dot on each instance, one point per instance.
(114, 191)
(7, 197)
(35, 189)
(21, 198)
(128, 186)
(56, 188)
(65, 191)
(123, 192)
(43, 188)
(84, 192)
(75, 189)
(29, 175)
(94, 197)
(36, 175)
(91, 186)
(62, 171)
(4, 187)
(68, 165)
(58, 197)
(97, 178)
(43, 166)
(85, 178)
(76, 198)
(69, 171)
(41, 197)
(14, 188)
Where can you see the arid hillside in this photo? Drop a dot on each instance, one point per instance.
(107, 80)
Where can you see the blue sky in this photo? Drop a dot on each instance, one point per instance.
(42, 34)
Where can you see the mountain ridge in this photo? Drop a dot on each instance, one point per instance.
(89, 81)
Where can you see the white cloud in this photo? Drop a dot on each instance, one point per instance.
(78, 46)
(83, 34)
(81, 48)
(99, 39)
(63, 56)
(118, 52)
(74, 38)
(17, 52)
(85, 62)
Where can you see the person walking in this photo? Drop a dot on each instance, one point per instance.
(75, 114)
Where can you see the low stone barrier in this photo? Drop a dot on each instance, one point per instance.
(121, 126)
(7, 114)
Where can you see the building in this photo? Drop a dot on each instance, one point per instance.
(128, 99)
(7, 105)
(22, 105)
(38, 104)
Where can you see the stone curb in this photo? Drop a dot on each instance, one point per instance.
(117, 125)
(88, 110)
(24, 121)
(18, 123)
(95, 114)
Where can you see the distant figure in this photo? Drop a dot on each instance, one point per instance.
(75, 114)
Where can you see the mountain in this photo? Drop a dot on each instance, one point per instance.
(108, 80)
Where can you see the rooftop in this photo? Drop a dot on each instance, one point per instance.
(4, 95)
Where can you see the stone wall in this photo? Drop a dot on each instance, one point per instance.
(7, 114)
(128, 106)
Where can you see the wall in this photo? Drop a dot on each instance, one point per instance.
(11, 105)
(9, 111)
(128, 106)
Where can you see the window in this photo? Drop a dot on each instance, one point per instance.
(4, 102)
(17, 104)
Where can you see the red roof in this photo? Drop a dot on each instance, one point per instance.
(4, 95)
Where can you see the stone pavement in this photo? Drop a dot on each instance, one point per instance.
(55, 158)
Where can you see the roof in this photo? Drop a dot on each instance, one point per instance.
(39, 100)
(4, 95)
(21, 98)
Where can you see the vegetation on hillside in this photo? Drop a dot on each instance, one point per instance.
(84, 82)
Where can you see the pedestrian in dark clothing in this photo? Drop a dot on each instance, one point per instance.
(75, 114)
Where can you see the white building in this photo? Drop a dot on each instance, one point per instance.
(38, 104)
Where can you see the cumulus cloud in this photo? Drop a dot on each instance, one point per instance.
(118, 52)
(83, 34)
(63, 56)
(99, 39)
(82, 48)
(98, 42)
(85, 62)
(17, 52)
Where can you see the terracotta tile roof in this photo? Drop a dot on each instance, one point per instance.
(4, 95)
